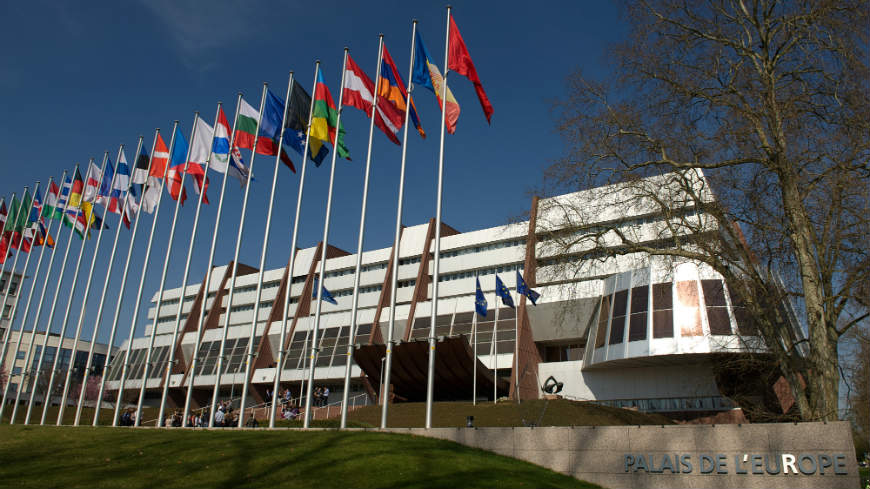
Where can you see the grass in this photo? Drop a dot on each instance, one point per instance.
(67, 457)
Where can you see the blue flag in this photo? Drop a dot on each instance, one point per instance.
(326, 295)
(480, 301)
(36, 210)
(503, 292)
(524, 289)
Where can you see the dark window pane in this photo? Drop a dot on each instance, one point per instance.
(714, 292)
(662, 298)
(620, 301)
(719, 322)
(637, 327)
(745, 323)
(603, 317)
(663, 324)
(639, 299)
(617, 330)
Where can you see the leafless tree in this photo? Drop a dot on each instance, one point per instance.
(770, 101)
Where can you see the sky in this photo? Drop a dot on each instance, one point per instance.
(80, 78)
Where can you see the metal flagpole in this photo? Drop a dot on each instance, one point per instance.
(202, 308)
(430, 379)
(53, 308)
(138, 302)
(147, 370)
(220, 362)
(323, 249)
(20, 286)
(249, 358)
(93, 344)
(114, 327)
(186, 274)
(474, 361)
(517, 346)
(494, 350)
(24, 318)
(65, 322)
(281, 352)
(359, 247)
(12, 272)
(394, 280)
(81, 320)
(26, 372)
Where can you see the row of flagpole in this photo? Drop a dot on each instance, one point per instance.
(249, 359)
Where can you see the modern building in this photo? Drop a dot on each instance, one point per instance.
(633, 330)
(11, 298)
(20, 374)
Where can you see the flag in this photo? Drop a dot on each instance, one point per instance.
(3, 215)
(93, 179)
(19, 221)
(391, 88)
(459, 60)
(140, 172)
(199, 155)
(104, 194)
(220, 157)
(325, 119)
(76, 190)
(4, 239)
(50, 209)
(37, 235)
(112, 191)
(426, 74)
(160, 158)
(524, 289)
(267, 142)
(174, 177)
(480, 301)
(36, 207)
(12, 216)
(359, 92)
(326, 295)
(296, 124)
(503, 292)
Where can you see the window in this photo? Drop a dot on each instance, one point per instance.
(663, 314)
(717, 308)
(687, 314)
(617, 325)
(603, 317)
(16, 370)
(639, 306)
(20, 355)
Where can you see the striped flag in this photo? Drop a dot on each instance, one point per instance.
(49, 208)
(92, 183)
(359, 92)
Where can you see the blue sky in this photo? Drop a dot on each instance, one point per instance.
(80, 78)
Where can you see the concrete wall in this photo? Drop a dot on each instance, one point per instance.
(598, 454)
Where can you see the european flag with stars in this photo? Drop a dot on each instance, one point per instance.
(524, 289)
(480, 301)
(503, 292)
(326, 295)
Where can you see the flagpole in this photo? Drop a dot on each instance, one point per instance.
(226, 327)
(65, 322)
(430, 379)
(26, 309)
(323, 249)
(93, 344)
(204, 301)
(394, 279)
(517, 346)
(289, 284)
(250, 355)
(114, 327)
(359, 247)
(87, 291)
(53, 303)
(494, 348)
(12, 311)
(147, 370)
(138, 303)
(12, 272)
(474, 361)
(35, 322)
(53, 306)
(202, 190)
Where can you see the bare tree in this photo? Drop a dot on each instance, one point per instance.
(759, 109)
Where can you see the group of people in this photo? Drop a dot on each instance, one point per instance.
(320, 397)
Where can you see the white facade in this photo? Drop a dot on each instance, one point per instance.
(622, 332)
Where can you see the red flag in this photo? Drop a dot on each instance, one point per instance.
(460, 61)
(159, 159)
(196, 171)
(173, 183)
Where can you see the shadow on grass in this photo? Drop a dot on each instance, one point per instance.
(142, 458)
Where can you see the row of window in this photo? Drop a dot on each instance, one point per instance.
(623, 224)
(13, 287)
(480, 272)
(482, 248)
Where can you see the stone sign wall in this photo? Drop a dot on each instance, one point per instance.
(787, 455)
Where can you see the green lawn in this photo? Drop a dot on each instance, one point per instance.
(67, 457)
